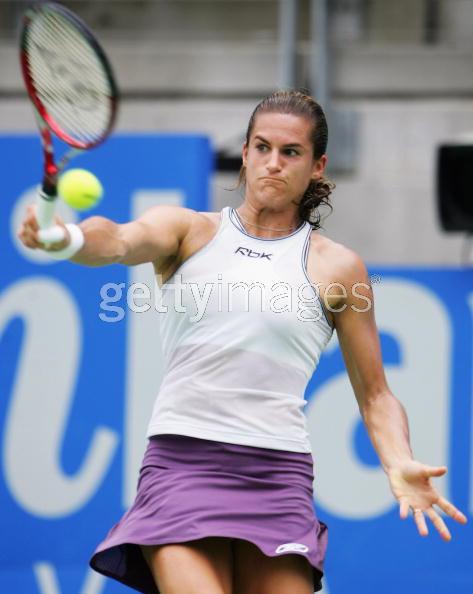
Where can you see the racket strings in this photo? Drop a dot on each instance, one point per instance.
(69, 77)
(68, 83)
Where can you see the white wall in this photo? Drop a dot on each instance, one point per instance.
(408, 98)
(386, 210)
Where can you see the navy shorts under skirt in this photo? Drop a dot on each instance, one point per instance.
(190, 488)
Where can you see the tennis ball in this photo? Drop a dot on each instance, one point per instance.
(80, 189)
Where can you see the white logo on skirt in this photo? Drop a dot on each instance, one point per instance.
(292, 546)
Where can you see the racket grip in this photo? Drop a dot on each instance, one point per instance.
(52, 235)
(49, 233)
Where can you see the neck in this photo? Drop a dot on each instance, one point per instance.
(252, 219)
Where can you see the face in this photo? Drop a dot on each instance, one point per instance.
(279, 160)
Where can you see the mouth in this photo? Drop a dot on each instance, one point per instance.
(275, 179)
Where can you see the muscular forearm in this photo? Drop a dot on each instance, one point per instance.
(102, 245)
(387, 425)
(98, 241)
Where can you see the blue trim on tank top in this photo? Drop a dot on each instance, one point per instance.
(304, 258)
(234, 215)
(235, 220)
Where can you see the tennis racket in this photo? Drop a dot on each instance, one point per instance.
(71, 85)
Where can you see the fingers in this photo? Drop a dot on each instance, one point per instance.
(29, 231)
(403, 509)
(435, 518)
(29, 228)
(451, 510)
(435, 471)
(30, 219)
(29, 236)
(420, 522)
(439, 524)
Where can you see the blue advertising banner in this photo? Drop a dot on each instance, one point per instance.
(425, 321)
(72, 412)
(79, 373)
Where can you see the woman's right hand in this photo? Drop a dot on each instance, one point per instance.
(28, 232)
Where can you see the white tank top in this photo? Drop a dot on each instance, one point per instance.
(242, 335)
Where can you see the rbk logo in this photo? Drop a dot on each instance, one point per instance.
(252, 254)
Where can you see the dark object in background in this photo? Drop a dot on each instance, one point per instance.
(455, 187)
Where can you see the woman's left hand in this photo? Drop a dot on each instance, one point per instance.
(410, 483)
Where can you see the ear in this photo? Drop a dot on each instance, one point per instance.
(244, 154)
(318, 167)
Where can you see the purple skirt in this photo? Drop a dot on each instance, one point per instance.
(192, 488)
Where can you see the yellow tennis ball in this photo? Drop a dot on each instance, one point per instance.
(80, 189)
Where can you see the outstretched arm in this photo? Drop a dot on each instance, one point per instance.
(384, 416)
(158, 232)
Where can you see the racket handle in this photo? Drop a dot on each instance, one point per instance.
(45, 205)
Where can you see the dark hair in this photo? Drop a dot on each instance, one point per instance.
(297, 103)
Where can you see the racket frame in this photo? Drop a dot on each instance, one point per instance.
(41, 109)
(46, 123)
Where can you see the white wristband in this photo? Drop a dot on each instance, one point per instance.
(75, 244)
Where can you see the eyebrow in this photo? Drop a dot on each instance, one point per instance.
(290, 145)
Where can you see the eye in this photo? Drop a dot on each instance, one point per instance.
(290, 152)
(262, 148)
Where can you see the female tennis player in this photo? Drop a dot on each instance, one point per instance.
(225, 501)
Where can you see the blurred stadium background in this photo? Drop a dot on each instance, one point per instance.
(396, 79)
(400, 73)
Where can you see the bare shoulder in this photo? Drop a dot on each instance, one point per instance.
(185, 221)
(335, 261)
(167, 213)
(200, 228)
(204, 226)
(212, 218)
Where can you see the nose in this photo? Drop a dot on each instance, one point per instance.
(274, 162)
